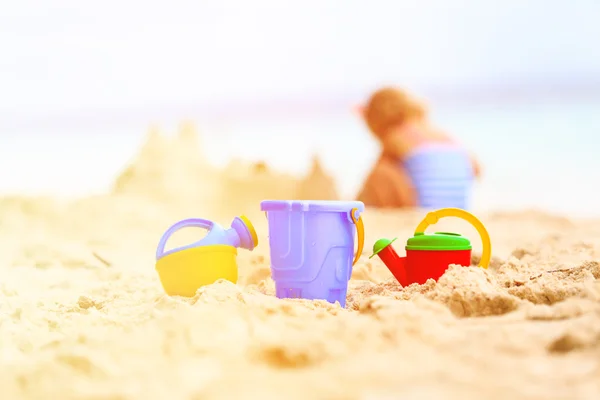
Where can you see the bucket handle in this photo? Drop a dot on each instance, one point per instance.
(360, 232)
(434, 216)
(191, 222)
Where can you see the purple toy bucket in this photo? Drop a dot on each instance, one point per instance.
(312, 247)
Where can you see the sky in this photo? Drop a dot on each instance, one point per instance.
(70, 56)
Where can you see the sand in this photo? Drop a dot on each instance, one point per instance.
(83, 315)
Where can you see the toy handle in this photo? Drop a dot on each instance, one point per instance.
(360, 232)
(434, 216)
(191, 222)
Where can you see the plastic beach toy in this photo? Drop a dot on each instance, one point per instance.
(185, 269)
(429, 255)
(312, 247)
(442, 175)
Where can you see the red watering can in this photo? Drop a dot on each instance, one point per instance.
(429, 255)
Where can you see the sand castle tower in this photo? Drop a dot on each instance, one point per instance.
(139, 176)
(235, 167)
(188, 144)
(317, 185)
(245, 184)
(169, 169)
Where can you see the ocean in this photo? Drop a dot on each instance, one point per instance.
(541, 155)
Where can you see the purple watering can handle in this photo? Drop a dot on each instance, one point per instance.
(191, 222)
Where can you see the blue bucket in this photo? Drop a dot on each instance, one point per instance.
(312, 247)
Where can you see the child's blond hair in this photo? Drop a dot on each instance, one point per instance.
(389, 107)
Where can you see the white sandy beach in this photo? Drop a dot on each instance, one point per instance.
(83, 315)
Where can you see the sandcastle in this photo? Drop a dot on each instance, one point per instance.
(172, 169)
(166, 169)
(317, 185)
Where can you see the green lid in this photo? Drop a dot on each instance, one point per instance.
(438, 241)
(380, 245)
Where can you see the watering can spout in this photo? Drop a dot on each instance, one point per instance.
(242, 234)
(396, 264)
(398, 269)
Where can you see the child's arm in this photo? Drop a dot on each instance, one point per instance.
(388, 186)
(400, 185)
(476, 166)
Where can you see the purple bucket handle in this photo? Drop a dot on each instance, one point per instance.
(191, 222)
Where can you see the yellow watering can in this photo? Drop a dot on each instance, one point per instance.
(183, 270)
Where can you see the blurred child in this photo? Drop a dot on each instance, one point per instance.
(420, 165)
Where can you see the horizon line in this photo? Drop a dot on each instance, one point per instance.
(313, 104)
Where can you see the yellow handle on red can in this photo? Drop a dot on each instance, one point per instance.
(434, 216)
